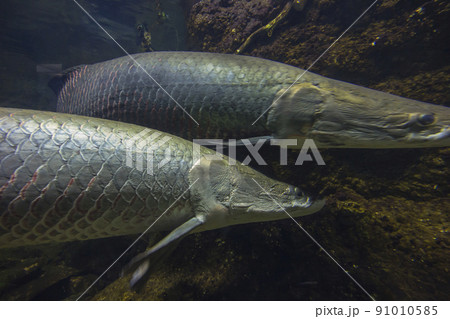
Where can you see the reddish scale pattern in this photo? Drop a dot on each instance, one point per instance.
(91, 194)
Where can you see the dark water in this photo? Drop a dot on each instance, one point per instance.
(48, 32)
(386, 221)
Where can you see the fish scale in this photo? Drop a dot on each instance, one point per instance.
(220, 92)
(60, 183)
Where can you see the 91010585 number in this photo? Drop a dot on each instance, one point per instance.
(406, 310)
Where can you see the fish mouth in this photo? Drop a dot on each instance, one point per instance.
(307, 207)
(445, 133)
(442, 136)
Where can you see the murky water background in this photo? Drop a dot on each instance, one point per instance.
(387, 216)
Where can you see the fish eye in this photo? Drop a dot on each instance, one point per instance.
(426, 119)
(296, 191)
(299, 192)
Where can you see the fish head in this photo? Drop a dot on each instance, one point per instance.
(245, 195)
(256, 197)
(336, 114)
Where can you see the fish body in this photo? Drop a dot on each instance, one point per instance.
(232, 96)
(223, 93)
(65, 177)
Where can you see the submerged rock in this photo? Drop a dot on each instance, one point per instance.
(387, 217)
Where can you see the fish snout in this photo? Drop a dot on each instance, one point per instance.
(443, 136)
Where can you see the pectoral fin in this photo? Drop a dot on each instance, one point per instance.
(142, 260)
(209, 212)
